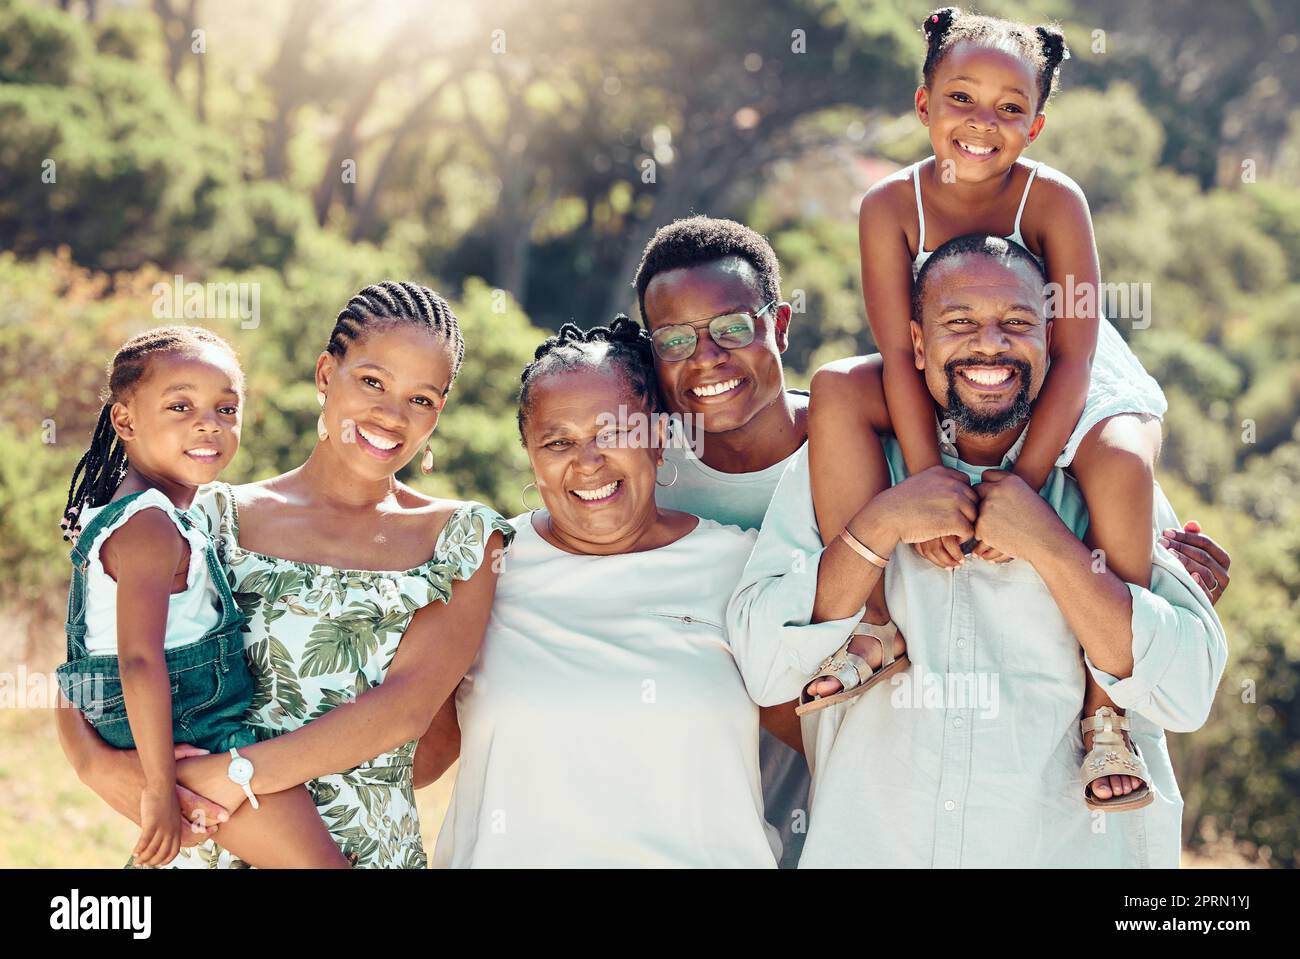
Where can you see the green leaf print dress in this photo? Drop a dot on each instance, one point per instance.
(318, 637)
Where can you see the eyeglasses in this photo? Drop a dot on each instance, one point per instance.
(731, 331)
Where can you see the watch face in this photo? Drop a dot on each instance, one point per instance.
(241, 771)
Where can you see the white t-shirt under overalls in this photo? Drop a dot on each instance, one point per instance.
(191, 614)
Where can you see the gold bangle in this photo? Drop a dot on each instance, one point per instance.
(862, 550)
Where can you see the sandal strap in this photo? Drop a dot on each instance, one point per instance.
(1111, 754)
(849, 668)
(883, 633)
(1105, 716)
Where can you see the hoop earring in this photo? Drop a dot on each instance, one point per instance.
(674, 479)
(523, 498)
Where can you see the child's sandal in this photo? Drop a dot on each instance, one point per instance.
(1110, 756)
(853, 671)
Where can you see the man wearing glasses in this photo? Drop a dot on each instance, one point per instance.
(710, 295)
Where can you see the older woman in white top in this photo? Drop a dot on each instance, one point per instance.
(605, 722)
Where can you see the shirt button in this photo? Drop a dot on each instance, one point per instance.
(687, 619)
(957, 721)
(950, 805)
(961, 644)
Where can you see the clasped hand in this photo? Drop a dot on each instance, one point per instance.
(204, 796)
(938, 510)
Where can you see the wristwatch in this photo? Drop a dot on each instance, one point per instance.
(241, 774)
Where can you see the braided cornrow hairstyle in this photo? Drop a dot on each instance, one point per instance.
(102, 466)
(623, 343)
(1042, 47)
(392, 302)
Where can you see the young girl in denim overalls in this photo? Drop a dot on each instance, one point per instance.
(155, 652)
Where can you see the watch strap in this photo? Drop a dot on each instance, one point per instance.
(246, 787)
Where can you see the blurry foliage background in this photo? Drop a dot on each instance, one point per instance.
(508, 171)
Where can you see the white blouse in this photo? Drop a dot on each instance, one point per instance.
(605, 722)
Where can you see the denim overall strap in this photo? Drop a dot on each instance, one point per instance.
(80, 556)
(231, 615)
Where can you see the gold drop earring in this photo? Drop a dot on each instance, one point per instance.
(321, 431)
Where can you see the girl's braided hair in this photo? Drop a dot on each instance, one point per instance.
(1043, 47)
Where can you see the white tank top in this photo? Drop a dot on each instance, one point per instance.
(922, 254)
(191, 614)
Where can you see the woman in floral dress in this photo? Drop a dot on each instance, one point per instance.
(366, 601)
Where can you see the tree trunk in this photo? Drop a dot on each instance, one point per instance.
(673, 200)
(511, 226)
(364, 226)
(201, 68)
(346, 144)
(174, 36)
(287, 81)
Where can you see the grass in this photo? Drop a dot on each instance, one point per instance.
(49, 819)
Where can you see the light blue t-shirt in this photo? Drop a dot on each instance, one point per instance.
(732, 499)
(742, 499)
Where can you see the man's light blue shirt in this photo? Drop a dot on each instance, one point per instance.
(970, 757)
